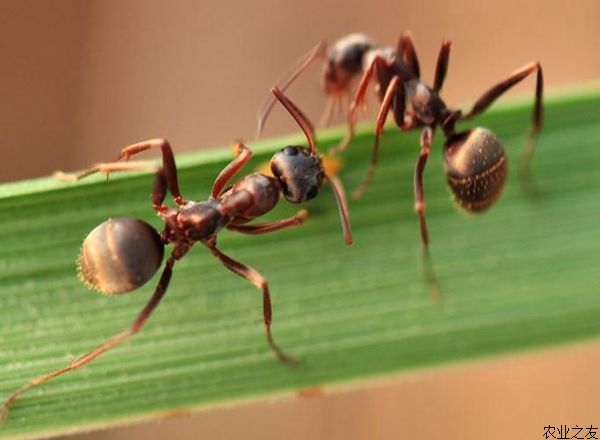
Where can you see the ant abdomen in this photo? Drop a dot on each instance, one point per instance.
(475, 166)
(345, 61)
(120, 255)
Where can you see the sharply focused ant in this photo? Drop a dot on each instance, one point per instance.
(344, 63)
(122, 254)
(474, 159)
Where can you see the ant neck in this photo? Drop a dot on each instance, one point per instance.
(448, 118)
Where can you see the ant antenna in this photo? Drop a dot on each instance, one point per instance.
(297, 114)
(300, 66)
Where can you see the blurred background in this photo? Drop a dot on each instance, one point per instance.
(79, 80)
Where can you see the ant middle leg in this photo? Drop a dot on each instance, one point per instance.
(272, 226)
(260, 282)
(166, 173)
(426, 138)
(359, 101)
(168, 169)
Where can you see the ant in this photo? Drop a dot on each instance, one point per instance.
(345, 62)
(474, 159)
(121, 255)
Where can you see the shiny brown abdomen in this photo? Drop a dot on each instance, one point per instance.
(475, 166)
(120, 255)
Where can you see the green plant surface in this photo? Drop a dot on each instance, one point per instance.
(522, 276)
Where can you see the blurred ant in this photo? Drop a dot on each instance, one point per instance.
(121, 255)
(474, 159)
(345, 62)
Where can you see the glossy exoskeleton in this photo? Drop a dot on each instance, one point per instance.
(122, 254)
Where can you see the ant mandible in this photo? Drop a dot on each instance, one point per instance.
(345, 62)
(122, 254)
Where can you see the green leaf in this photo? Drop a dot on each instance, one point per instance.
(521, 276)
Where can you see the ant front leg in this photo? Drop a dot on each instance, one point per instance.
(272, 226)
(260, 282)
(426, 138)
(134, 328)
(242, 156)
(395, 90)
(359, 102)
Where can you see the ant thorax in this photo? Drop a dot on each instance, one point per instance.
(199, 220)
(422, 105)
(387, 53)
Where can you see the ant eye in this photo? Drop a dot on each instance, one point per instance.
(290, 151)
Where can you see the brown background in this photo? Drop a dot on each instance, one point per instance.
(80, 79)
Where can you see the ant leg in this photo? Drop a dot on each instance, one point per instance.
(391, 92)
(502, 86)
(168, 170)
(426, 138)
(272, 226)
(328, 112)
(260, 282)
(442, 66)
(536, 121)
(300, 66)
(107, 168)
(135, 327)
(159, 190)
(406, 49)
(242, 155)
(340, 198)
(359, 101)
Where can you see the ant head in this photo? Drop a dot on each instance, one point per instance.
(335, 80)
(345, 61)
(120, 255)
(475, 166)
(299, 171)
